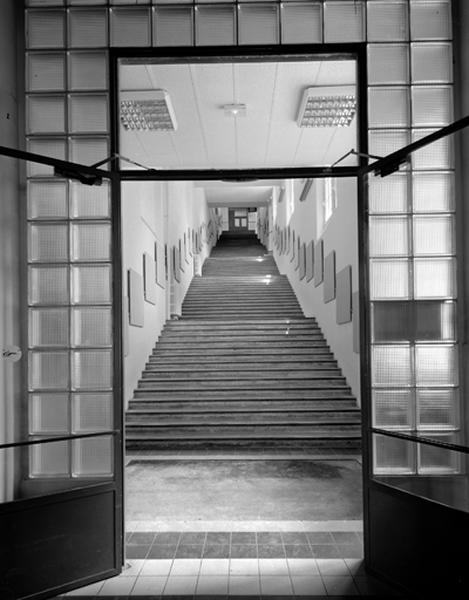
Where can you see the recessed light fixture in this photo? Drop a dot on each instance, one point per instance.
(235, 110)
(147, 110)
(333, 106)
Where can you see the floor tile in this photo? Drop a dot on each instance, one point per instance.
(294, 537)
(142, 537)
(156, 567)
(212, 585)
(275, 585)
(325, 551)
(308, 585)
(180, 585)
(215, 566)
(149, 586)
(166, 551)
(339, 586)
(269, 537)
(117, 586)
(243, 551)
(320, 537)
(356, 566)
(244, 566)
(216, 551)
(303, 566)
(189, 550)
(167, 537)
(193, 537)
(132, 567)
(350, 551)
(218, 537)
(185, 566)
(242, 585)
(137, 551)
(344, 537)
(243, 537)
(272, 551)
(88, 590)
(332, 566)
(273, 566)
(298, 551)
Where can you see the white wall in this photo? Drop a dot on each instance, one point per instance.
(339, 234)
(156, 212)
(10, 253)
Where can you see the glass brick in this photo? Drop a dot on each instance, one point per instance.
(392, 321)
(90, 202)
(48, 370)
(48, 327)
(88, 114)
(86, 2)
(436, 156)
(91, 369)
(47, 200)
(393, 409)
(88, 151)
(48, 414)
(433, 192)
(432, 62)
(389, 236)
(301, 23)
(87, 71)
(388, 64)
(432, 106)
(45, 29)
(91, 242)
(130, 27)
(173, 26)
(91, 327)
(88, 28)
(435, 320)
(48, 285)
(392, 456)
(45, 2)
(434, 278)
(45, 72)
(437, 409)
(91, 412)
(388, 194)
(391, 365)
(215, 25)
(336, 14)
(49, 459)
(258, 24)
(51, 147)
(433, 460)
(388, 107)
(435, 365)
(383, 142)
(91, 284)
(389, 279)
(433, 235)
(430, 20)
(387, 21)
(46, 114)
(48, 243)
(92, 457)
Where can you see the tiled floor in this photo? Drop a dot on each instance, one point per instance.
(244, 564)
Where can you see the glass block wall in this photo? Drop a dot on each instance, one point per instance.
(412, 266)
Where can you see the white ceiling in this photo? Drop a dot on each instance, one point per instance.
(267, 137)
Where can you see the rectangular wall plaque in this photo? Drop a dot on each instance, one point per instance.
(303, 261)
(344, 296)
(160, 274)
(149, 276)
(329, 277)
(136, 303)
(298, 252)
(310, 261)
(319, 263)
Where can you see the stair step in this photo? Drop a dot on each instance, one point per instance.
(222, 432)
(245, 406)
(241, 386)
(156, 395)
(272, 377)
(152, 419)
(247, 369)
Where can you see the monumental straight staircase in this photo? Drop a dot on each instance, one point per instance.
(243, 367)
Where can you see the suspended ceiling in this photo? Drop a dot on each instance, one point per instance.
(268, 136)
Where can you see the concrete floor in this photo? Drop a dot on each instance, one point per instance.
(243, 490)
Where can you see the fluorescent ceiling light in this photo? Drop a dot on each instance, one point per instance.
(333, 106)
(147, 110)
(235, 110)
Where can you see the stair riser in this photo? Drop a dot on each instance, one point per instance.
(272, 406)
(226, 445)
(301, 419)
